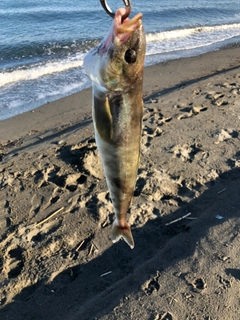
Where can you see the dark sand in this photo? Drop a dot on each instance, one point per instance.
(56, 256)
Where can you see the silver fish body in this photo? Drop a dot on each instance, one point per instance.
(116, 70)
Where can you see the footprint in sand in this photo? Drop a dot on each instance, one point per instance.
(217, 98)
(235, 161)
(153, 120)
(156, 186)
(36, 203)
(186, 152)
(153, 114)
(92, 164)
(152, 286)
(14, 261)
(5, 220)
(162, 316)
(225, 134)
(225, 283)
(101, 208)
(191, 111)
(83, 157)
(105, 209)
(198, 283)
(149, 134)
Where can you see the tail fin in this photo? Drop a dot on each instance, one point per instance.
(122, 231)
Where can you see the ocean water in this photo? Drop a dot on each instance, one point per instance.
(42, 43)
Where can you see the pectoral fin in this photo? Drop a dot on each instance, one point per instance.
(103, 118)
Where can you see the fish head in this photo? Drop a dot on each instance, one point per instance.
(116, 64)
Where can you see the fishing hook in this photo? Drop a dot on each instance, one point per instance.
(112, 14)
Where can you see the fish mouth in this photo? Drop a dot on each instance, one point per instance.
(123, 28)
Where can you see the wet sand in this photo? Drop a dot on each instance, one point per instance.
(57, 260)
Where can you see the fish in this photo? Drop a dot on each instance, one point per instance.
(115, 68)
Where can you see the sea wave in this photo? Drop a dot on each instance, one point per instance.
(22, 54)
(157, 43)
(34, 72)
(191, 39)
(183, 33)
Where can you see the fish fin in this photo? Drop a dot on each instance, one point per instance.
(103, 118)
(122, 231)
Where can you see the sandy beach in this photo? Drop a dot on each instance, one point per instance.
(57, 260)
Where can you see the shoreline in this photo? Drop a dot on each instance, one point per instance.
(56, 215)
(156, 77)
(172, 73)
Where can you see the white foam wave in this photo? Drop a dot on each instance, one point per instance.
(177, 41)
(182, 33)
(25, 96)
(39, 71)
(157, 43)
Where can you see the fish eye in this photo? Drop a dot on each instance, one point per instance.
(130, 56)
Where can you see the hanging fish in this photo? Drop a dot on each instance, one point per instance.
(115, 67)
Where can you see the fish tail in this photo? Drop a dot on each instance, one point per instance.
(122, 230)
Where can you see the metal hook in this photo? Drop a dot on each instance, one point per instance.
(112, 14)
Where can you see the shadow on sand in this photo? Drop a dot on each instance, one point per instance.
(81, 293)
